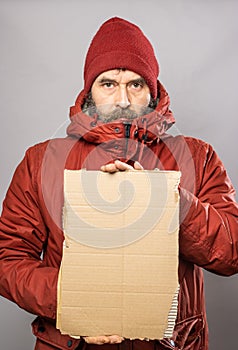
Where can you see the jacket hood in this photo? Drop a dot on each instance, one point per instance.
(146, 128)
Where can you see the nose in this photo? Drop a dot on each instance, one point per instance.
(122, 98)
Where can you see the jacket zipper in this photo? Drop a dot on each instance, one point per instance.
(127, 126)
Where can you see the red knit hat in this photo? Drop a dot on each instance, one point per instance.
(121, 44)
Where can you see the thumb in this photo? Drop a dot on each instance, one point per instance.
(138, 166)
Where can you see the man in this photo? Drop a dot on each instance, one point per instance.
(119, 122)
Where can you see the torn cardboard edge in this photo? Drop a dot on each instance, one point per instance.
(130, 288)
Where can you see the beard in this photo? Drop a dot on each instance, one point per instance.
(128, 113)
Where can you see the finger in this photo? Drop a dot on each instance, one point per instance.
(138, 166)
(115, 339)
(102, 339)
(109, 168)
(122, 166)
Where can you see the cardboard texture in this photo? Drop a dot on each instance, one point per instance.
(119, 270)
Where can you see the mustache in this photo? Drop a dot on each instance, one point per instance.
(118, 113)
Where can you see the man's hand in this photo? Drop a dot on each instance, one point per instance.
(104, 339)
(120, 166)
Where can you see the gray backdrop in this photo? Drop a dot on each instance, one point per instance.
(43, 45)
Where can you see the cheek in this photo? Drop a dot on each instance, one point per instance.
(100, 97)
(141, 101)
(147, 99)
(104, 104)
(105, 108)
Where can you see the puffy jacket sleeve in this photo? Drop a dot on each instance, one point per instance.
(209, 231)
(24, 278)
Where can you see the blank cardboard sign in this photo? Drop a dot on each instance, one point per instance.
(119, 270)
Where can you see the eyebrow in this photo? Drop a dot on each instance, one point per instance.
(138, 81)
(133, 81)
(106, 80)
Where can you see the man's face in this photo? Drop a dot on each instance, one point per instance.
(120, 94)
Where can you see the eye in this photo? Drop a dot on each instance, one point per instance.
(108, 85)
(136, 85)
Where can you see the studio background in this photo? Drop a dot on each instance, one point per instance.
(43, 46)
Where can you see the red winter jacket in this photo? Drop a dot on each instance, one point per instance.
(31, 237)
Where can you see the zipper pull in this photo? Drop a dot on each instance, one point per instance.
(127, 129)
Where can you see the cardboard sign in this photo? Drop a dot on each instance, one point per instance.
(119, 270)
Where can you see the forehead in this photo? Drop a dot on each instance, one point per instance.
(118, 75)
